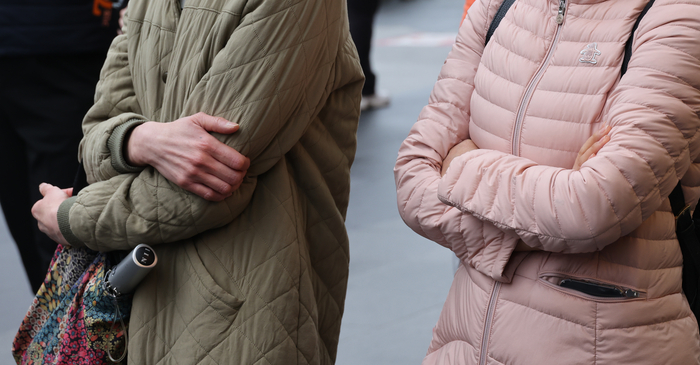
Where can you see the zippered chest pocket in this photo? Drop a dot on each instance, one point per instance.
(590, 288)
(598, 290)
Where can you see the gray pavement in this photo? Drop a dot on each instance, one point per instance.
(398, 280)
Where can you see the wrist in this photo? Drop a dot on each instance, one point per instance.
(136, 144)
(117, 147)
(63, 217)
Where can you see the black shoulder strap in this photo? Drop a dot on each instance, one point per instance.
(628, 45)
(677, 200)
(502, 10)
(506, 4)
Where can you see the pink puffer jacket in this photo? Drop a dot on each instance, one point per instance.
(529, 100)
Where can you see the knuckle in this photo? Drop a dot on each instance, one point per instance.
(238, 178)
(235, 178)
(212, 196)
(225, 189)
(182, 182)
(203, 145)
(244, 163)
(198, 160)
(229, 178)
(189, 171)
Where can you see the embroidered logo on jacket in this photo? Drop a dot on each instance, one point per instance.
(589, 53)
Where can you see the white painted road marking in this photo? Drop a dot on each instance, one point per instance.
(419, 40)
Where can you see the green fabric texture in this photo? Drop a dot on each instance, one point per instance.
(64, 226)
(260, 277)
(115, 143)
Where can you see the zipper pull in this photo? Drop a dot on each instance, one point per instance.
(629, 293)
(560, 15)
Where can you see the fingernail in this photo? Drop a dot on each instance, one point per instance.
(231, 124)
(602, 130)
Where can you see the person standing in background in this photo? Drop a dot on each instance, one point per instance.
(249, 221)
(51, 53)
(361, 16)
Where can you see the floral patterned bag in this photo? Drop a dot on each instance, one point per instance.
(73, 320)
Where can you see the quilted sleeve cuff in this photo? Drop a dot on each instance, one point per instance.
(116, 146)
(64, 224)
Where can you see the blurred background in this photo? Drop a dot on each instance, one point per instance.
(398, 280)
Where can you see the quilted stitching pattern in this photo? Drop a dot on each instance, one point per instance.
(610, 221)
(259, 278)
(655, 128)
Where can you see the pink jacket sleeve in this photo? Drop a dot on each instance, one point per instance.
(441, 125)
(654, 139)
(501, 198)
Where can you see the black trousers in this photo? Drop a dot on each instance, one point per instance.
(43, 100)
(361, 17)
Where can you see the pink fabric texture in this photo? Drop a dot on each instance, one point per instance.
(529, 100)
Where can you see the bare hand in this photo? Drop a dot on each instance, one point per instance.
(592, 146)
(122, 22)
(46, 211)
(185, 153)
(458, 150)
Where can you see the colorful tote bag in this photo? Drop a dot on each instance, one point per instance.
(73, 320)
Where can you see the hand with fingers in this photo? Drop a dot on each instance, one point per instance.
(185, 153)
(458, 150)
(46, 210)
(592, 146)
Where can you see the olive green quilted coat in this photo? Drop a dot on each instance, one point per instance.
(259, 278)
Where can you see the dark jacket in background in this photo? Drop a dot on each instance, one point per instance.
(51, 53)
(30, 27)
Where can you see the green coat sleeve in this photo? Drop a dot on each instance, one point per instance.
(273, 77)
(115, 112)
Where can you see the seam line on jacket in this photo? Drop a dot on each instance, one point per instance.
(150, 23)
(435, 103)
(583, 211)
(557, 217)
(439, 123)
(216, 11)
(595, 337)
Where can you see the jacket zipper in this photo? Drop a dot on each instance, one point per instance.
(488, 322)
(535, 80)
(518, 122)
(628, 293)
(636, 295)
